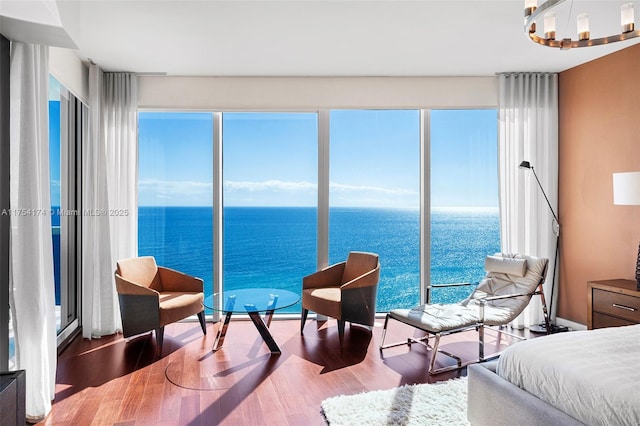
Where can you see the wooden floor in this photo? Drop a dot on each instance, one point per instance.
(116, 381)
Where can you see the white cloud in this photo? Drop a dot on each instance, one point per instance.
(277, 192)
(338, 187)
(271, 192)
(278, 185)
(174, 193)
(165, 187)
(269, 185)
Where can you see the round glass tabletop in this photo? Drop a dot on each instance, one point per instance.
(253, 299)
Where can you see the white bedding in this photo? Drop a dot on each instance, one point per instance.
(594, 376)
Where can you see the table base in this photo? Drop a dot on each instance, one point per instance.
(262, 325)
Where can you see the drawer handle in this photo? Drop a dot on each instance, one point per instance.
(626, 308)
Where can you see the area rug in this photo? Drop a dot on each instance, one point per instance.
(441, 403)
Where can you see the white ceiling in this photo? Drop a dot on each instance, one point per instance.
(327, 38)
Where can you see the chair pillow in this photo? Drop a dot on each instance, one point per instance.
(506, 265)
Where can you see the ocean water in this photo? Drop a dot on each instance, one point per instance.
(276, 247)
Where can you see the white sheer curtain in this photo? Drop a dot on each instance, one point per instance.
(109, 194)
(31, 255)
(528, 131)
(100, 314)
(121, 133)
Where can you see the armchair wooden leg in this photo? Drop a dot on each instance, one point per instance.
(303, 319)
(159, 340)
(203, 324)
(341, 324)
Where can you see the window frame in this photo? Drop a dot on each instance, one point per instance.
(73, 130)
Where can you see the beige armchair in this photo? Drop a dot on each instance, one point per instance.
(152, 296)
(345, 291)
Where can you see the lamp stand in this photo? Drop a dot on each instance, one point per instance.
(553, 328)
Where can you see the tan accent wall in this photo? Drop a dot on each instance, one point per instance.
(599, 125)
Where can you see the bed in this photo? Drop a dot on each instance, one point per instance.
(583, 377)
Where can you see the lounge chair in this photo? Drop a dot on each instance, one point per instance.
(510, 282)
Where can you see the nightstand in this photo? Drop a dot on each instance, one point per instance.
(612, 303)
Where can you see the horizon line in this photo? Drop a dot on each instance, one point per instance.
(460, 208)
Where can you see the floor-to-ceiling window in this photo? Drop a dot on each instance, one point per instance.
(465, 224)
(175, 187)
(270, 199)
(269, 187)
(374, 197)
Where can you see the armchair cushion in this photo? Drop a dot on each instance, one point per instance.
(325, 300)
(177, 306)
(437, 317)
(440, 317)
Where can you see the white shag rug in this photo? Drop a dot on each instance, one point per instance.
(441, 403)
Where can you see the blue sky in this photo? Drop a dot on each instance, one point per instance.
(270, 159)
(464, 158)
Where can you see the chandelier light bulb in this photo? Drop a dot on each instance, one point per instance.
(627, 19)
(550, 26)
(530, 6)
(583, 26)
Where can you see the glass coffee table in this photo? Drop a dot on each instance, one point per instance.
(251, 301)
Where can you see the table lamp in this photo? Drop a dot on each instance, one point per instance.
(626, 192)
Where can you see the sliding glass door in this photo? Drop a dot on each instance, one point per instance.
(67, 121)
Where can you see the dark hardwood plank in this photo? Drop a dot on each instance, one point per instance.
(117, 381)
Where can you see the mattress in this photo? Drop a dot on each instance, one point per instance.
(594, 375)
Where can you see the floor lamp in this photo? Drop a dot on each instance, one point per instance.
(542, 328)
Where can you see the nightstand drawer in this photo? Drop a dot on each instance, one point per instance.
(602, 321)
(617, 305)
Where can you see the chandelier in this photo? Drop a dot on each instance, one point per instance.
(532, 12)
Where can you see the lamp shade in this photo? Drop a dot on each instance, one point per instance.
(626, 188)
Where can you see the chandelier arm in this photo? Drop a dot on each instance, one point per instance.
(567, 43)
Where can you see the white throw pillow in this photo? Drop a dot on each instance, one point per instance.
(506, 265)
